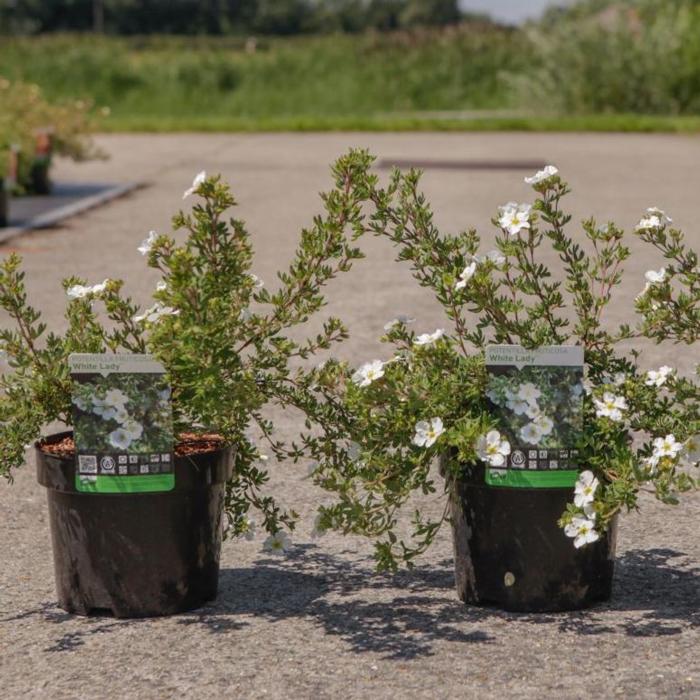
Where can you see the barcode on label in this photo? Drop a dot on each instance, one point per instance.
(87, 464)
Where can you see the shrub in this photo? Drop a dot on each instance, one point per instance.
(226, 341)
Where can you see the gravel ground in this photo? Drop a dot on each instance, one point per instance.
(319, 623)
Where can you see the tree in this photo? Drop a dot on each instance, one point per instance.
(430, 13)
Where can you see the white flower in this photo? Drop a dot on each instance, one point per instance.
(250, 528)
(658, 377)
(116, 397)
(531, 433)
(529, 392)
(544, 423)
(99, 288)
(427, 432)
(278, 543)
(611, 406)
(120, 414)
(649, 222)
(466, 275)
(368, 372)
(161, 286)
(400, 319)
(514, 217)
(651, 463)
(585, 489)
(198, 180)
(495, 256)
(147, 243)
(655, 219)
(691, 449)
(533, 411)
(492, 448)
(112, 413)
(133, 428)
(542, 175)
(660, 214)
(518, 406)
(78, 291)
(582, 530)
(492, 394)
(655, 277)
(257, 282)
(155, 312)
(429, 338)
(666, 447)
(120, 439)
(100, 407)
(80, 402)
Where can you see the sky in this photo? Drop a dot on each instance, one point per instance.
(511, 11)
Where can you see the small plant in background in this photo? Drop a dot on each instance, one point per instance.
(223, 337)
(637, 428)
(27, 118)
(597, 57)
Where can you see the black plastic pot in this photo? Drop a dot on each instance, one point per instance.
(510, 552)
(4, 203)
(136, 554)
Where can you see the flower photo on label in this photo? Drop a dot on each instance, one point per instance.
(122, 412)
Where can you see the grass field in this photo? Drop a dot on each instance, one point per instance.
(167, 83)
(473, 77)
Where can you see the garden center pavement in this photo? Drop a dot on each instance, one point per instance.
(319, 623)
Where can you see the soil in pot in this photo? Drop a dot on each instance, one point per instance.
(511, 553)
(137, 554)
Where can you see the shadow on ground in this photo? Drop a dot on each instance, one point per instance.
(403, 615)
(655, 594)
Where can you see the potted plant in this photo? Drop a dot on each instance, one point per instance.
(4, 187)
(522, 543)
(43, 128)
(229, 348)
(39, 175)
(9, 172)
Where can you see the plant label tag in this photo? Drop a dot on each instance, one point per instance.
(122, 424)
(536, 397)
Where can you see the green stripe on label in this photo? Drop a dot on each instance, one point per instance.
(524, 479)
(146, 483)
